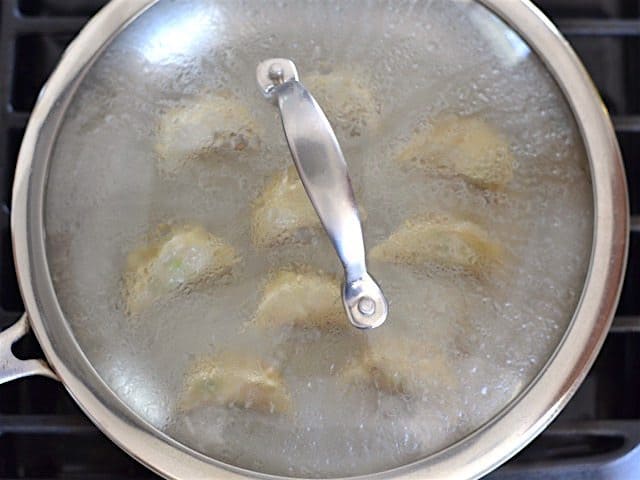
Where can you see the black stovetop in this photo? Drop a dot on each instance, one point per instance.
(43, 434)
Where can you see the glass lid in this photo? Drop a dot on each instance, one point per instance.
(199, 282)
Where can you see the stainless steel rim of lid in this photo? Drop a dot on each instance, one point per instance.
(473, 456)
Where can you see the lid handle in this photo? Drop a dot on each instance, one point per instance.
(323, 171)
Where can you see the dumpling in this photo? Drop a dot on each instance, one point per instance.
(346, 99)
(235, 380)
(443, 241)
(283, 212)
(465, 146)
(207, 126)
(182, 256)
(400, 366)
(305, 299)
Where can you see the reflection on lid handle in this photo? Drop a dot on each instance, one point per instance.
(323, 171)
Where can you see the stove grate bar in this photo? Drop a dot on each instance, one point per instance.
(626, 123)
(598, 26)
(626, 324)
(46, 424)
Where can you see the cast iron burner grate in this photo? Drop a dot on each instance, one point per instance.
(43, 434)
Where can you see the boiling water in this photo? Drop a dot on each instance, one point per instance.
(106, 193)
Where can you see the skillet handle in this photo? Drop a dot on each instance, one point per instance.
(11, 367)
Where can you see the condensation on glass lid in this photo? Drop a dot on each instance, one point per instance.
(200, 284)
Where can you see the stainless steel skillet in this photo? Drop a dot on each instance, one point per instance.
(474, 455)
